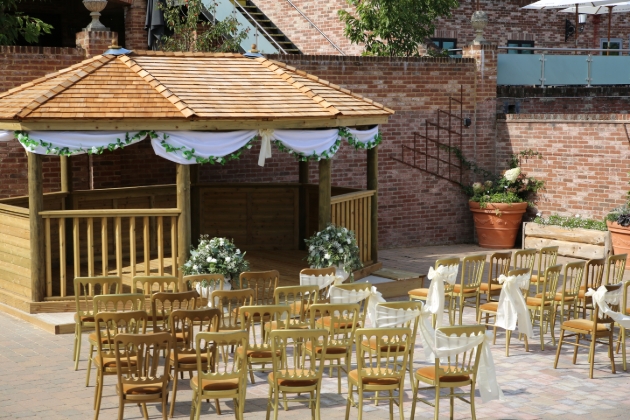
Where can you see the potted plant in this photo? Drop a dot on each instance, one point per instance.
(498, 204)
(216, 255)
(618, 222)
(334, 246)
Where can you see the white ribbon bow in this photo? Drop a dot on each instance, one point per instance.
(601, 299)
(373, 296)
(392, 317)
(512, 309)
(319, 281)
(435, 296)
(266, 135)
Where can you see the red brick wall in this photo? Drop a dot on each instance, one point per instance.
(95, 42)
(585, 159)
(135, 18)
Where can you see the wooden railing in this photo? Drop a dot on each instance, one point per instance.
(354, 211)
(15, 251)
(75, 232)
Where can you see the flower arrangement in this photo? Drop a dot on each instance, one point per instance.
(571, 222)
(334, 246)
(621, 215)
(216, 255)
(514, 186)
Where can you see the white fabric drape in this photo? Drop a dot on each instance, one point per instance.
(512, 309)
(307, 142)
(205, 144)
(601, 299)
(364, 136)
(373, 296)
(77, 141)
(6, 135)
(266, 135)
(320, 281)
(392, 317)
(435, 296)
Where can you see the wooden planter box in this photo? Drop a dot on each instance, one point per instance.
(577, 243)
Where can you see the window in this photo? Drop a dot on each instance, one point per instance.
(615, 43)
(447, 44)
(528, 44)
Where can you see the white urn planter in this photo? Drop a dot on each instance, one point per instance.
(340, 272)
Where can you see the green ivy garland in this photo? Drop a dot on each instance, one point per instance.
(326, 154)
(359, 145)
(32, 144)
(189, 154)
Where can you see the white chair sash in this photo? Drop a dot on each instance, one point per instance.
(392, 317)
(512, 309)
(601, 299)
(373, 296)
(435, 296)
(320, 281)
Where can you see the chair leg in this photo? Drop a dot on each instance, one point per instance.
(623, 346)
(218, 404)
(348, 401)
(461, 310)
(473, 414)
(541, 325)
(555, 365)
(89, 366)
(172, 410)
(165, 406)
(436, 414)
(391, 405)
(144, 411)
(611, 340)
(276, 403)
(508, 335)
(575, 350)
(414, 397)
(400, 404)
(591, 356)
(121, 408)
(74, 349)
(452, 401)
(99, 394)
(360, 407)
(553, 334)
(317, 402)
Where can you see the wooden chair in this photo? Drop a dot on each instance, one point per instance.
(153, 284)
(456, 372)
(109, 325)
(323, 293)
(601, 326)
(148, 380)
(219, 377)
(524, 258)
(123, 302)
(422, 293)
(615, 268)
(363, 304)
(85, 288)
(229, 303)
(259, 350)
(380, 371)
(499, 264)
(570, 289)
(163, 303)
(293, 374)
(468, 287)
(184, 356)
(543, 306)
(214, 282)
(547, 257)
(625, 310)
(263, 283)
(298, 298)
(490, 310)
(593, 277)
(341, 328)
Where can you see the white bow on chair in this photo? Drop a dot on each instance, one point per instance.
(266, 134)
(373, 296)
(435, 296)
(601, 298)
(512, 309)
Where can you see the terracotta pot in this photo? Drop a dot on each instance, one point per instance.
(620, 237)
(497, 225)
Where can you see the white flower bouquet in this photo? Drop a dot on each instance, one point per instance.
(334, 246)
(216, 255)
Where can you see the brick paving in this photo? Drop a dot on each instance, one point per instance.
(38, 380)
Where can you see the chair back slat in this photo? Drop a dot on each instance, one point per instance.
(464, 362)
(147, 371)
(547, 257)
(299, 299)
(263, 283)
(341, 321)
(119, 302)
(550, 285)
(324, 272)
(163, 303)
(615, 268)
(85, 288)
(210, 366)
(525, 258)
(185, 324)
(349, 289)
(382, 353)
(472, 271)
(253, 319)
(229, 302)
(110, 324)
(290, 362)
(153, 284)
(447, 262)
(572, 280)
(499, 264)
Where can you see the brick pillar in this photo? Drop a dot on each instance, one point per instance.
(95, 42)
(136, 37)
(484, 100)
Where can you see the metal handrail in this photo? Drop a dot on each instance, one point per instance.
(315, 26)
(561, 49)
(269, 37)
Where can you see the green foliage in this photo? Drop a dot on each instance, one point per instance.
(14, 23)
(334, 246)
(216, 255)
(393, 28)
(571, 222)
(190, 33)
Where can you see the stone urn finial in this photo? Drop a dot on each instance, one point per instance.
(95, 6)
(479, 22)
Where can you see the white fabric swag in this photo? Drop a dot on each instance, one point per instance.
(435, 296)
(79, 141)
(206, 144)
(340, 296)
(601, 298)
(364, 136)
(512, 310)
(392, 317)
(320, 281)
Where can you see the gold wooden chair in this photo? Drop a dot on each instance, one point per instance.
(382, 370)
(593, 277)
(259, 350)
(109, 325)
(187, 323)
(547, 257)
(363, 304)
(294, 371)
(163, 303)
(468, 287)
(543, 306)
(625, 310)
(601, 326)
(615, 268)
(499, 264)
(323, 293)
(147, 380)
(85, 288)
(456, 372)
(570, 289)
(219, 377)
(123, 302)
(341, 328)
(263, 283)
(422, 293)
(298, 298)
(229, 303)
(153, 284)
(213, 282)
(524, 258)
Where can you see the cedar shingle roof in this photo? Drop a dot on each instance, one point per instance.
(215, 88)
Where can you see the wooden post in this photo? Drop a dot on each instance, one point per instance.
(35, 206)
(372, 184)
(195, 204)
(302, 213)
(324, 193)
(64, 169)
(183, 222)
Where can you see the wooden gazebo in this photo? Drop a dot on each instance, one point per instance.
(47, 239)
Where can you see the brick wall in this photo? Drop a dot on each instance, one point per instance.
(585, 159)
(135, 18)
